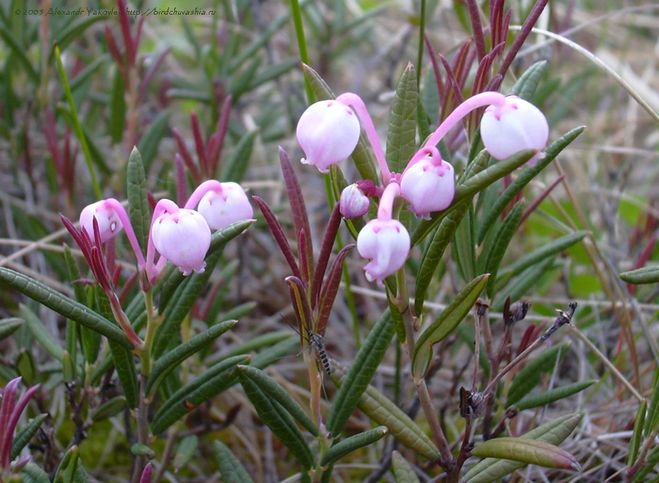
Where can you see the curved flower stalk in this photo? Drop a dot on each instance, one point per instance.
(221, 204)
(10, 413)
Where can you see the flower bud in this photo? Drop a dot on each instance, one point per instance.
(182, 237)
(327, 132)
(109, 224)
(513, 127)
(353, 202)
(386, 244)
(428, 187)
(226, 206)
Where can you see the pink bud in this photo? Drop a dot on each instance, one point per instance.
(512, 127)
(353, 203)
(226, 206)
(428, 187)
(327, 132)
(109, 224)
(183, 237)
(386, 244)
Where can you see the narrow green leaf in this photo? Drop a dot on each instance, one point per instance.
(89, 70)
(403, 471)
(401, 135)
(521, 284)
(527, 83)
(237, 164)
(31, 473)
(117, 108)
(138, 203)
(464, 246)
(445, 323)
(360, 374)
(528, 451)
(74, 30)
(648, 468)
(213, 381)
(26, 434)
(642, 275)
(150, 141)
(278, 420)
(67, 466)
(548, 397)
(637, 434)
(63, 305)
(168, 362)
(363, 156)
(9, 326)
(110, 408)
(20, 54)
(270, 387)
(434, 251)
(473, 185)
(269, 339)
(529, 376)
(41, 334)
(652, 420)
(489, 217)
(185, 451)
(542, 253)
(348, 445)
(231, 469)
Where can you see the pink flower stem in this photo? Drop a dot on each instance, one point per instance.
(130, 233)
(200, 191)
(436, 158)
(479, 100)
(162, 206)
(5, 457)
(386, 206)
(354, 101)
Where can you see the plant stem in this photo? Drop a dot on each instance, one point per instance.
(302, 45)
(422, 28)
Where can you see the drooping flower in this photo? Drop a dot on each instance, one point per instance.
(353, 202)
(328, 132)
(428, 183)
(513, 126)
(182, 236)
(386, 244)
(104, 211)
(223, 207)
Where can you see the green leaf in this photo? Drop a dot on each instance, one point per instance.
(434, 251)
(237, 164)
(542, 253)
(63, 305)
(521, 284)
(529, 376)
(445, 323)
(403, 471)
(110, 408)
(26, 434)
(168, 362)
(9, 326)
(490, 216)
(270, 387)
(650, 466)
(31, 473)
(528, 82)
(473, 185)
(74, 30)
(68, 466)
(117, 108)
(642, 275)
(138, 203)
(401, 135)
(213, 381)
(363, 156)
(652, 420)
(231, 470)
(148, 145)
(260, 341)
(548, 397)
(637, 434)
(464, 246)
(185, 451)
(41, 334)
(525, 450)
(278, 420)
(348, 445)
(360, 374)
(20, 53)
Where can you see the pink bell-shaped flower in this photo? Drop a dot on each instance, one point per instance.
(328, 132)
(106, 215)
(513, 126)
(183, 237)
(227, 205)
(353, 202)
(428, 184)
(386, 244)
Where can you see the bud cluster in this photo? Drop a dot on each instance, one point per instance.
(328, 132)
